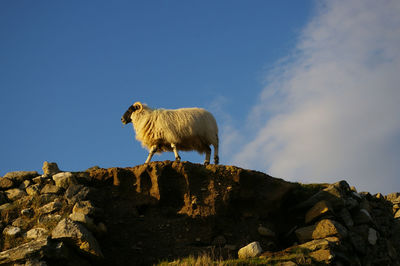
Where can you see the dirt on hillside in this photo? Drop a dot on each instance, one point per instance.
(167, 210)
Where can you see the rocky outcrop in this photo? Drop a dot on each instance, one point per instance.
(169, 210)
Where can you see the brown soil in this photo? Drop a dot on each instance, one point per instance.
(167, 210)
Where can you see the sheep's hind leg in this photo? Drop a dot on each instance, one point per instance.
(151, 153)
(208, 155)
(216, 157)
(177, 157)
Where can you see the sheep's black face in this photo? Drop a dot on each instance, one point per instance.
(126, 118)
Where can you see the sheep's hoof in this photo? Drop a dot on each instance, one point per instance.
(178, 159)
(216, 160)
(206, 162)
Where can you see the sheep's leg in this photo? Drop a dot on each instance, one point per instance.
(216, 157)
(177, 157)
(208, 155)
(151, 153)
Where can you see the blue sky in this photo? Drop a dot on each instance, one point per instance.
(267, 70)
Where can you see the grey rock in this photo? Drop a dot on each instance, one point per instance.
(252, 250)
(15, 194)
(50, 168)
(20, 176)
(322, 229)
(11, 230)
(319, 209)
(33, 190)
(6, 183)
(264, 231)
(37, 233)
(51, 189)
(372, 236)
(84, 219)
(34, 250)
(346, 217)
(77, 235)
(64, 179)
(50, 207)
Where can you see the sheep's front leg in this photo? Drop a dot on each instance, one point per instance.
(151, 153)
(208, 155)
(177, 157)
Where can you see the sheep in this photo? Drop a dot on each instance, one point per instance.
(184, 129)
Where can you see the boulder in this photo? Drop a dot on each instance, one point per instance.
(11, 230)
(34, 250)
(77, 235)
(252, 250)
(265, 231)
(15, 194)
(37, 233)
(64, 179)
(372, 236)
(87, 208)
(50, 168)
(322, 229)
(84, 219)
(51, 189)
(319, 209)
(50, 207)
(20, 176)
(6, 183)
(33, 190)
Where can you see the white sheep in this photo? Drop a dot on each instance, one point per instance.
(184, 129)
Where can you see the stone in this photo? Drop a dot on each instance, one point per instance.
(322, 229)
(20, 222)
(84, 219)
(37, 233)
(372, 236)
(50, 207)
(6, 183)
(265, 231)
(11, 230)
(77, 235)
(323, 243)
(319, 209)
(33, 190)
(86, 207)
(25, 184)
(20, 176)
(29, 212)
(252, 250)
(345, 215)
(322, 255)
(51, 189)
(50, 168)
(64, 179)
(362, 217)
(49, 219)
(15, 194)
(34, 249)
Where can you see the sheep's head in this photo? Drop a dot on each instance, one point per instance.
(126, 118)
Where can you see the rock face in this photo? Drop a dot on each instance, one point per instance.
(169, 210)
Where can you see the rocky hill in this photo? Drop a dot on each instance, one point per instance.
(165, 211)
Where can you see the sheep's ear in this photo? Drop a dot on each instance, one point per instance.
(138, 106)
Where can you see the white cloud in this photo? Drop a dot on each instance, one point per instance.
(331, 110)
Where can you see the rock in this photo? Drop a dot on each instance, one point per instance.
(50, 168)
(372, 236)
(83, 218)
(362, 217)
(15, 194)
(77, 235)
(33, 190)
(6, 183)
(11, 230)
(20, 222)
(28, 212)
(265, 231)
(20, 176)
(322, 229)
(50, 207)
(37, 233)
(346, 217)
(51, 189)
(34, 250)
(397, 214)
(252, 250)
(323, 243)
(319, 209)
(49, 219)
(25, 184)
(3, 198)
(322, 255)
(76, 193)
(358, 242)
(64, 179)
(87, 208)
